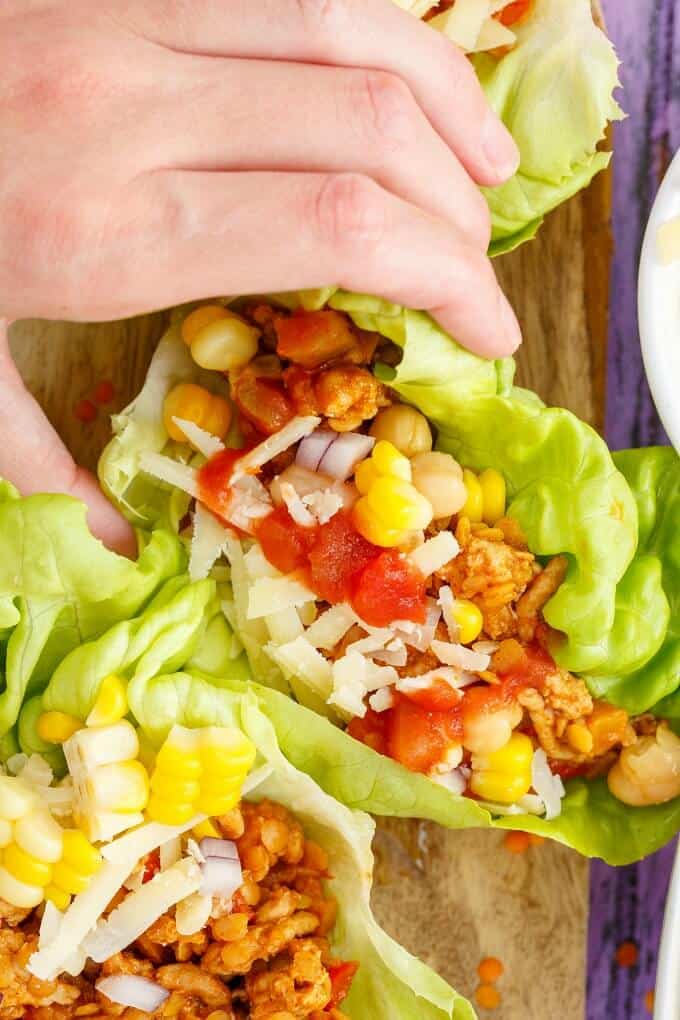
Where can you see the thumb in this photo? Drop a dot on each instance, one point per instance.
(33, 457)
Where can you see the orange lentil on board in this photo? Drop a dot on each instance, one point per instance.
(516, 842)
(85, 411)
(649, 1000)
(489, 970)
(488, 997)
(104, 392)
(627, 954)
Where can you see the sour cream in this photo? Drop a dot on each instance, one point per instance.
(659, 302)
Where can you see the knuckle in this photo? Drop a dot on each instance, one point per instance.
(350, 211)
(387, 103)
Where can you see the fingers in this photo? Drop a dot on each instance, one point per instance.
(191, 235)
(321, 119)
(372, 34)
(34, 459)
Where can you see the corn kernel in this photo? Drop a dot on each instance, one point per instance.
(16, 798)
(111, 704)
(25, 867)
(206, 829)
(503, 776)
(170, 813)
(214, 804)
(225, 344)
(493, 495)
(66, 877)
(59, 897)
(387, 460)
(221, 786)
(6, 833)
(469, 619)
(80, 854)
(398, 504)
(39, 835)
(368, 524)
(196, 404)
(56, 727)
(121, 786)
(199, 319)
(18, 893)
(580, 737)
(226, 750)
(170, 787)
(172, 761)
(473, 507)
(365, 475)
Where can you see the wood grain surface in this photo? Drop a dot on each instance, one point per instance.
(451, 897)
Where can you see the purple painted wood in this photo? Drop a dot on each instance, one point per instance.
(627, 903)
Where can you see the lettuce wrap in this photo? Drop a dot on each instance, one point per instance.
(552, 87)
(165, 698)
(607, 619)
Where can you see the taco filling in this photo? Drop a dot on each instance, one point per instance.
(384, 580)
(477, 26)
(132, 889)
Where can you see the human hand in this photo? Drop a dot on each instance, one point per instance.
(166, 150)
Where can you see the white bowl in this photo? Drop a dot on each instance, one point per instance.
(659, 309)
(667, 996)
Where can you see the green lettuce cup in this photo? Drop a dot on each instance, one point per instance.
(551, 83)
(544, 602)
(356, 967)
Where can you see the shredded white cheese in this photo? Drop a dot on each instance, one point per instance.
(299, 658)
(272, 446)
(203, 441)
(331, 626)
(494, 35)
(269, 595)
(170, 471)
(349, 684)
(435, 553)
(207, 543)
(462, 22)
(458, 655)
(409, 684)
(284, 626)
(446, 600)
(257, 564)
(549, 787)
(296, 508)
(381, 700)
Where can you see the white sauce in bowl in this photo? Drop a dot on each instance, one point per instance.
(659, 308)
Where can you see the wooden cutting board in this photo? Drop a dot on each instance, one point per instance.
(452, 898)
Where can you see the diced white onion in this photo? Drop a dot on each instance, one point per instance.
(549, 787)
(435, 553)
(331, 626)
(344, 453)
(222, 876)
(272, 446)
(312, 448)
(375, 641)
(170, 471)
(134, 991)
(210, 846)
(203, 441)
(458, 655)
(269, 595)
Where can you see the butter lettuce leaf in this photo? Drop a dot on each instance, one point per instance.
(554, 92)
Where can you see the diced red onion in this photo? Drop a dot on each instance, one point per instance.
(210, 846)
(313, 447)
(222, 876)
(343, 455)
(133, 991)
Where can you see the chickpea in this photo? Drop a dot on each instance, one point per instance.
(405, 428)
(439, 477)
(648, 772)
(487, 732)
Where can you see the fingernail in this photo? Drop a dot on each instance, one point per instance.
(512, 334)
(499, 147)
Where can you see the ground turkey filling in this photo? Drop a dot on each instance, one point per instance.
(265, 955)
